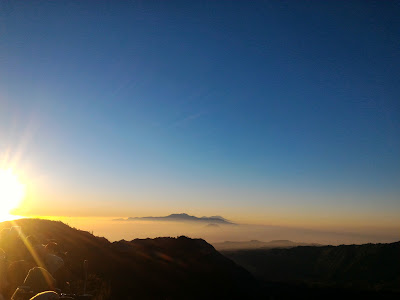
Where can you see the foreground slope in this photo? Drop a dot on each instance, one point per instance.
(173, 268)
(369, 267)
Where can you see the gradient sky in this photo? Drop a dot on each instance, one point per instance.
(272, 111)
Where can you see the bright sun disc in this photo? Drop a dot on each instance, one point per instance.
(12, 191)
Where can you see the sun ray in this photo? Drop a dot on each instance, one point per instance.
(34, 253)
(12, 192)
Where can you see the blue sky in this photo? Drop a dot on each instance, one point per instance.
(296, 101)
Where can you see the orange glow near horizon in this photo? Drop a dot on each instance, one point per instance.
(12, 192)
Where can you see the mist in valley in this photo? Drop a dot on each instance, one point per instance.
(115, 230)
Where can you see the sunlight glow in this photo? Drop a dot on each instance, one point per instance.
(12, 191)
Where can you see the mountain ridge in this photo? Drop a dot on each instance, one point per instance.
(181, 217)
(160, 268)
(366, 267)
(256, 244)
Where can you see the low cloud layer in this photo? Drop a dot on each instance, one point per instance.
(117, 230)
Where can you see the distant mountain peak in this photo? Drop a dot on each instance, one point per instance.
(181, 214)
(181, 217)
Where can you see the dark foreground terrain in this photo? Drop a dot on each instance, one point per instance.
(370, 271)
(161, 268)
(184, 268)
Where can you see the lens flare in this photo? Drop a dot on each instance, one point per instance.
(12, 191)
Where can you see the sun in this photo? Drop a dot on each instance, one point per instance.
(12, 191)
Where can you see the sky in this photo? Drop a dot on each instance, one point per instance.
(264, 112)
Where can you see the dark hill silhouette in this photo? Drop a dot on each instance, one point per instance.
(181, 218)
(161, 268)
(184, 268)
(255, 244)
(371, 268)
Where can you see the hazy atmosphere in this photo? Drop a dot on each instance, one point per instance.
(199, 149)
(282, 117)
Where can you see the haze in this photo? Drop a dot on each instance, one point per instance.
(283, 117)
